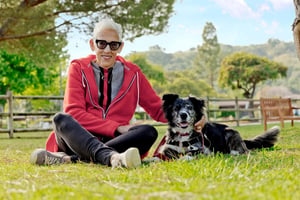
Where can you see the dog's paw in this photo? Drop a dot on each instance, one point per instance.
(207, 151)
(187, 158)
(234, 153)
(149, 160)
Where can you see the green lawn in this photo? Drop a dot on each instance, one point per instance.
(266, 174)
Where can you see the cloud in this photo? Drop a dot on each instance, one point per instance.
(244, 10)
(270, 28)
(236, 8)
(183, 29)
(264, 8)
(280, 4)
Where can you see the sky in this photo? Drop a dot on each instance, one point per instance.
(237, 22)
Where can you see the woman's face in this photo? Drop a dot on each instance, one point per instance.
(105, 56)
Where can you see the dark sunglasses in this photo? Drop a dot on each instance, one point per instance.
(101, 44)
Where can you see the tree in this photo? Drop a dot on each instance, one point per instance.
(245, 71)
(38, 29)
(17, 73)
(154, 73)
(207, 60)
(26, 19)
(184, 83)
(26, 27)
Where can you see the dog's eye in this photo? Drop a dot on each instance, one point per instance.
(176, 108)
(190, 107)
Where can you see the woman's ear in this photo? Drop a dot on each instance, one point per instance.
(92, 44)
(121, 47)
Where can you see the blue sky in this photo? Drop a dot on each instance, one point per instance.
(238, 22)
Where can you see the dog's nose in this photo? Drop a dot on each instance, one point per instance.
(183, 116)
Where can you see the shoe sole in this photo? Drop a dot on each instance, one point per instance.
(132, 157)
(41, 156)
(34, 156)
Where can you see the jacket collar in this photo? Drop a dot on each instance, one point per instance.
(129, 75)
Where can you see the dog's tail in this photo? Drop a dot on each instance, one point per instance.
(265, 140)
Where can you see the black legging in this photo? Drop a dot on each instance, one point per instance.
(73, 139)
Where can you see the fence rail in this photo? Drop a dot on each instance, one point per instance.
(18, 111)
(12, 115)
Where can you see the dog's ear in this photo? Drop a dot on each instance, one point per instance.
(199, 105)
(170, 97)
(168, 100)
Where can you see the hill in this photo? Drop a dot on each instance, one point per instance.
(273, 49)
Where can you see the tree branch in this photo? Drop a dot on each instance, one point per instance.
(33, 34)
(30, 3)
(23, 5)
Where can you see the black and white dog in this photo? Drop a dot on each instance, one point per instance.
(181, 139)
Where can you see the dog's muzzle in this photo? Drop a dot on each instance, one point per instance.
(184, 119)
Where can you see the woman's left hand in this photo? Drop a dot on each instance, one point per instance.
(200, 124)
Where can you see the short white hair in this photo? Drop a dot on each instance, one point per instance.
(108, 23)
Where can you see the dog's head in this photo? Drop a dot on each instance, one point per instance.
(182, 113)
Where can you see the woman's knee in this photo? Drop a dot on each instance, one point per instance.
(151, 132)
(64, 122)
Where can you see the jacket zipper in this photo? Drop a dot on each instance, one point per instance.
(89, 91)
(113, 102)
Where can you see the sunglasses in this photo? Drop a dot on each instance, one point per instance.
(101, 44)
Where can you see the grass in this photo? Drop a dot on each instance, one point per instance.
(265, 174)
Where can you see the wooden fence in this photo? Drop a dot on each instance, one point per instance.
(230, 111)
(11, 116)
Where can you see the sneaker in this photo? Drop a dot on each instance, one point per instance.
(128, 159)
(44, 157)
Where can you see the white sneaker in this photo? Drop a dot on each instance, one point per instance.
(44, 157)
(128, 159)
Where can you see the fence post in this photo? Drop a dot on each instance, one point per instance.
(207, 107)
(237, 111)
(10, 115)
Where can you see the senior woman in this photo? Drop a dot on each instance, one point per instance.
(102, 93)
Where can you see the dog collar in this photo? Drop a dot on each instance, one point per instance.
(183, 134)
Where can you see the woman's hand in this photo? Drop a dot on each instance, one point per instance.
(124, 129)
(200, 124)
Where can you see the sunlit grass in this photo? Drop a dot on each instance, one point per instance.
(265, 174)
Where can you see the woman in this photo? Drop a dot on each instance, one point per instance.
(101, 95)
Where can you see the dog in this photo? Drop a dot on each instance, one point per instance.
(182, 140)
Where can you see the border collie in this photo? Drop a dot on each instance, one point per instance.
(182, 140)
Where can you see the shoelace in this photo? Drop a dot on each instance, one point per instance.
(117, 163)
(50, 160)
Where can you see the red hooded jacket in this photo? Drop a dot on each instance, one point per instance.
(81, 100)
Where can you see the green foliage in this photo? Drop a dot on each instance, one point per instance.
(17, 73)
(38, 29)
(184, 83)
(170, 61)
(153, 72)
(155, 15)
(274, 50)
(34, 18)
(28, 28)
(266, 174)
(245, 71)
(227, 114)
